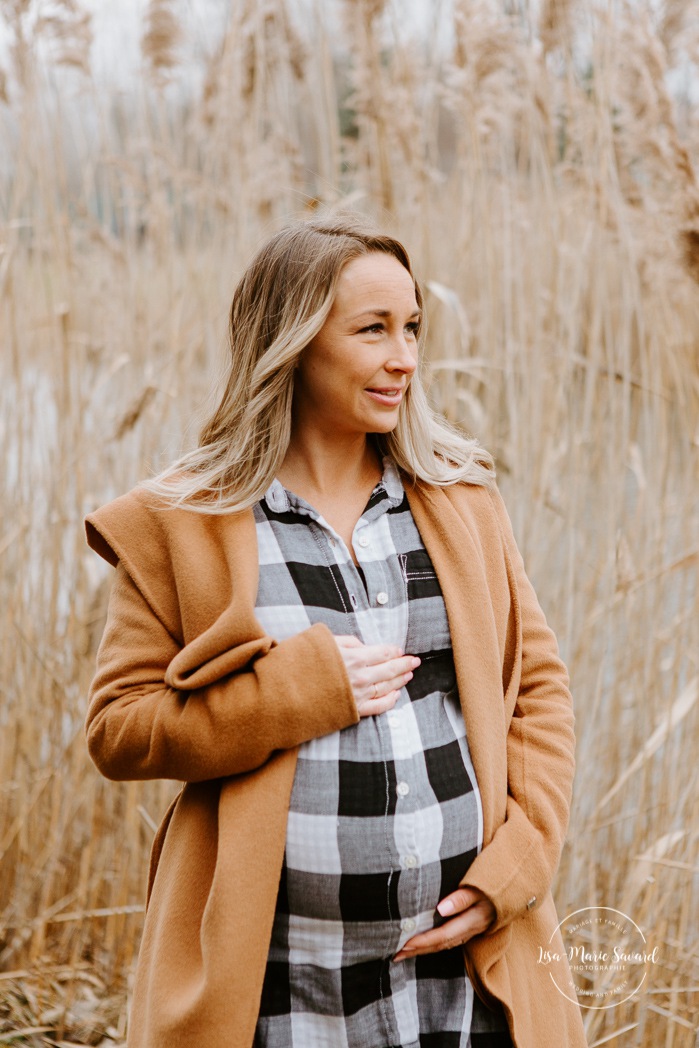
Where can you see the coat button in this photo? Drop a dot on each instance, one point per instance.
(382, 598)
(532, 903)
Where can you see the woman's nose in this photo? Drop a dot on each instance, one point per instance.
(403, 355)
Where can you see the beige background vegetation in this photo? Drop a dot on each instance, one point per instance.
(541, 166)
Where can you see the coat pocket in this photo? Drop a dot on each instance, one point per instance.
(484, 951)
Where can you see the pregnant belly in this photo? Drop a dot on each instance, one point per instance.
(371, 849)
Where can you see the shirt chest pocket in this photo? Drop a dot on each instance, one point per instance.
(428, 627)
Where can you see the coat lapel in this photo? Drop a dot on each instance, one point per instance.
(460, 568)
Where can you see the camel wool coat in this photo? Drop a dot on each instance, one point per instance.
(189, 687)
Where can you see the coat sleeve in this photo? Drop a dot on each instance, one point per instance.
(516, 868)
(139, 727)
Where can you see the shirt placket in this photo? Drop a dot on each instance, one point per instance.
(391, 593)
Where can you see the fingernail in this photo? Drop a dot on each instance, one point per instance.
(445, 907)
(416, 660)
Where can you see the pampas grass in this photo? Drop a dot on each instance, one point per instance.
(544, 176)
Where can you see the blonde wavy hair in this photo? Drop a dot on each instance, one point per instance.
(280, 304)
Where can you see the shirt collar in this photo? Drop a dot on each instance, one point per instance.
(280, 500)
(391, 481)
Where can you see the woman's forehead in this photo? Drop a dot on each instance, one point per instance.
(373, 280)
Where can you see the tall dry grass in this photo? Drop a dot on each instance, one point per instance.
(545, 180)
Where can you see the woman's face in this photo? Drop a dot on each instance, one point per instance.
(352, 377)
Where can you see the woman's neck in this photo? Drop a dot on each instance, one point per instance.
(327, 469)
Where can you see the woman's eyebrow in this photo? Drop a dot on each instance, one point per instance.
(382, 313)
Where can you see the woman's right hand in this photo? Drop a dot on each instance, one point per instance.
(377, 672)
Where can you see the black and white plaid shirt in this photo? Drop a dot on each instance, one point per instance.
(385, 816)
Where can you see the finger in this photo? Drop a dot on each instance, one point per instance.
(460, 900)
(382, 685)
(366, 677)
(398, 666)
(455, 933)
(346, 640)
(403, 672)
(373, 707)
(391, 674)
(452, 933)
(375, 654)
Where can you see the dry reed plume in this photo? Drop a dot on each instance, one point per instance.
(544, 176)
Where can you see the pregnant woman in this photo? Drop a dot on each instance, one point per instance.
(321, 625)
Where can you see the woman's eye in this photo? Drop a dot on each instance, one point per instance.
(413, 327)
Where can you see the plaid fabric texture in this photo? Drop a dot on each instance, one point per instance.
(385, 817)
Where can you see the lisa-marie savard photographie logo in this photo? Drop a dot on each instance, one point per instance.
(607, 953)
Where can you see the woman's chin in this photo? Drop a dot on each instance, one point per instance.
(383, 424)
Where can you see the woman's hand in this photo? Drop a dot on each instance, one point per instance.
(377, 672)
(474, 912)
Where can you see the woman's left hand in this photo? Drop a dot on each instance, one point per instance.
(473, 913)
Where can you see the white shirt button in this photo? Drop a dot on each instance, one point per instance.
(410, 861)
(408, 925)
(393, 720)
(363, 541)
(382, 598)
(402, 789)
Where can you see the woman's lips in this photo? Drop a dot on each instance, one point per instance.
(382, 397)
